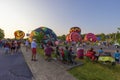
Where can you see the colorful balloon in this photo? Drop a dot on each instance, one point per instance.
(19, 34)
(74, 36)
(48, 33)
(75, 29)
(90, 37)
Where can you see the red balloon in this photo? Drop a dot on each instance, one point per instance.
(90, 37)
(74, 36)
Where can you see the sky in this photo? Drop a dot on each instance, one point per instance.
(96, 16)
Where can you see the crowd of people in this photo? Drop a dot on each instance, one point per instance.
(65, 54)
(10, 46)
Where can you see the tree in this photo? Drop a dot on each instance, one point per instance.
(39, 37)
(1, 34)
(103, 37)
(118, 29)
(63, 37)
(83, 35)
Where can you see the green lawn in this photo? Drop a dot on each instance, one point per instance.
(96, 71)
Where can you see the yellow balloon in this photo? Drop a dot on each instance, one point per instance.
(19, 34)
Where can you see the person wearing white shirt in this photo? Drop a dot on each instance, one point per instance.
(33, 47)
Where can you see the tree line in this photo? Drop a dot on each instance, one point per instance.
(102, 36)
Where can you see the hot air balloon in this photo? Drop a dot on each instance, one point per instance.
(75, 29)
(74, 35)
(47, 32)
(19, 34)
(90, 37)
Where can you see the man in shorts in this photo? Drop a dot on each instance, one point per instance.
(33, 48)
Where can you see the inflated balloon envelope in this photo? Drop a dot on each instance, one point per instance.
(47, 32)
(19, 34)
(75, 29)
(90, 37)
(74, 35)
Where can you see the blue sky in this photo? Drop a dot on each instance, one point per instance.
(96, 16)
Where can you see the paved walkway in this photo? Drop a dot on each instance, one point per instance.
(13, 67)
(43, 70)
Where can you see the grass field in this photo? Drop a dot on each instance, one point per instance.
(96, 71)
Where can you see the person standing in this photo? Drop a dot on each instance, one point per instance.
(33, 48)
(12, 47)
(16, 45)
(7, 47)
(100, 51)
(27, 45)
(66, 53)
(80, 52)
(48, 52)
(70, 55)
(117, 56)
(57, 53)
